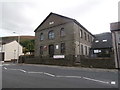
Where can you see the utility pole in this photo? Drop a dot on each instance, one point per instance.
(18, 46)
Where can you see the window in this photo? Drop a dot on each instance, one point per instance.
(51, 34)
(97, 51)
(85, 50)
(41, 50)
(91, 39)
(88, 38)
(104, 40)
(41, 36)
(62, 32)
(85, 36)
(81, 49)
(81, 33)
(50, 23)
(97, 41)
(62, 48)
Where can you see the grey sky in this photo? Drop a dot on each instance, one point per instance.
(23, 16)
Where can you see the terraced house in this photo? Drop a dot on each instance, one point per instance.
(62, 37)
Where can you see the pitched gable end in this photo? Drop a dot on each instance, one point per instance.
(53, 20)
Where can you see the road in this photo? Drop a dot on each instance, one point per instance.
(44, 76)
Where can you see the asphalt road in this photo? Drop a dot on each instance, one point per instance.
(44, 76)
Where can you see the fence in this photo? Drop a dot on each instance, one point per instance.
(70, 61)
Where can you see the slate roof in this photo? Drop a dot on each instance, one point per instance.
(100, 37)
(66, 18)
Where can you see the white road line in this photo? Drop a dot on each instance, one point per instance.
(18, 69)
(70, 76)
(49, 74)
(36, 72)
(112, 82)
(5, 68)
(22, 70)
(95, 80)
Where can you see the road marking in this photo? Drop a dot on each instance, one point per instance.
(95, 80)
(70, 76)
(5, 68)
(113, 82)
(52, 75)
(49, 74)
(22, 70)
(19, 70)
(36, 72)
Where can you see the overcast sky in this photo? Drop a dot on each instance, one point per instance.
(23, 16)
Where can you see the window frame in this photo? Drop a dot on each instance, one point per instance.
(51, 34)
(85, 35)
(62, 32)
(81, 33)
(41, 36)
(41, 50)
(62, 48)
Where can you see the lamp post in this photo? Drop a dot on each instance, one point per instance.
(18, 47)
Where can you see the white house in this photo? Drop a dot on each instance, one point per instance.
(11, 50)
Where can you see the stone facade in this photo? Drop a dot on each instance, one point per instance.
(115, 29)
(62, 37)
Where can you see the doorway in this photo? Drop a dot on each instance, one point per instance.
(51, 50)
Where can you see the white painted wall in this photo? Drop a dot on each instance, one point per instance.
(12, 50)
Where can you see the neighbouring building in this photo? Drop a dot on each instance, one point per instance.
(115, 29)
(62, 37)
(102, 45)
(10, 50)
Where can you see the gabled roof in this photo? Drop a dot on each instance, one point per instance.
(100, 37)
(75, 21)
(6, 42)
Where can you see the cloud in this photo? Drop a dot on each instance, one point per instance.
(23, 16)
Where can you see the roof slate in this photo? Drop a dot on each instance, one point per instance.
(100, 37)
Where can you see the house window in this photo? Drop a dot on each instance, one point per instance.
(97, 51)
(96, 41)
(81, 49)
(85, 36)
(85, 50)
(62, 48)
(51, 35)
(91, 39)
(41, 50)
(104, 40)
(62, 32)
(88, 38)
(81, 33)
(50, 23)
(41, 36)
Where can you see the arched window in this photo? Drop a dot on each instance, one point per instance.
(62, 32)
(51, 35)
(41, 36)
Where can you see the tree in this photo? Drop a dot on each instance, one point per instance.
(28, 46)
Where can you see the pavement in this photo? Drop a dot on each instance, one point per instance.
(47, 76)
